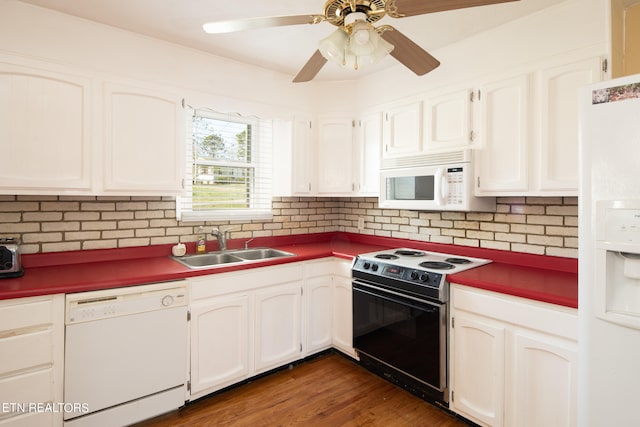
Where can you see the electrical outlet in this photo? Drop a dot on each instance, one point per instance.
(361, 223)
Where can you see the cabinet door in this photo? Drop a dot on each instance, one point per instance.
(368, 148)
(318, 319)
(277, 326)
(502, 163)
(543, 385)
(220, 332)
(343, 315)
(335, 155)
(478, 369)
(45, 131)
(303, 155)
(403, 129)
(448, 121)
(559, 127)
(144, 141)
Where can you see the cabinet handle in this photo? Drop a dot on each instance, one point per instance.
(478, 181)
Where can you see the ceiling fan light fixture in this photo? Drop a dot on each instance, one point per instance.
(356, 43)
(333, 47)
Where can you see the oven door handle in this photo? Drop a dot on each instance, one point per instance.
(386, 295)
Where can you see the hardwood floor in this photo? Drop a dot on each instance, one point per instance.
(327, 391)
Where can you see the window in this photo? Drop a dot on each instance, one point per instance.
(228, 168)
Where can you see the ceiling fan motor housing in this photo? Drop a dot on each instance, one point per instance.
(336, 10)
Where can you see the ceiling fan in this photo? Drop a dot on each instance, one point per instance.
(356, 39)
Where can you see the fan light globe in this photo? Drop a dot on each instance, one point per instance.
(355, 44)
(333, 47)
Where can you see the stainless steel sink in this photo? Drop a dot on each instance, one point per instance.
(207, 260)
(213, 259)
(260, 253)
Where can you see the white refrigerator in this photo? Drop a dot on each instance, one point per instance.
(609, 254)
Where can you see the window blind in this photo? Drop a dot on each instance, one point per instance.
(229, 167)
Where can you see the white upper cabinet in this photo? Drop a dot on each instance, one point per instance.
(144, 132)
(447, 120)
(504, 122)
(302, 152)
(559, 122)
(293, 156)
(50, 122)
(529, 129)
(367, 154)
(45, 131)
(402, 129)
(335, 155)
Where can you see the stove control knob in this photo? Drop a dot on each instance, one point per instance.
(424, 277)
(414, 275)
(374, 267)
(366, 265)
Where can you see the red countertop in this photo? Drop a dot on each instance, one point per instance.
(547, 279)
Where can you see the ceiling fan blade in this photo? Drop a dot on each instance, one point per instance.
(401, 8)
(408, 53)
(264, 22)
(311, 68)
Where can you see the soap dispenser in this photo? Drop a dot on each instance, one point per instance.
(201, 245)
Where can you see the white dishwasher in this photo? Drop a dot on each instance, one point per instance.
(125, 354)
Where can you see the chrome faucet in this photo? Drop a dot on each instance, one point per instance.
(246, 243)
(221, 236)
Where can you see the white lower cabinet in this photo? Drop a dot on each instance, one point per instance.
(248, 322)
(478, 361)
(31, 366)
(243, 323)
(318, 310)
(219, 323)
(542, 381)
(277, 325)
(342, 308)
(513, 361)
(328, 306)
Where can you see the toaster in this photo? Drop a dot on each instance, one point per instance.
(10, 258)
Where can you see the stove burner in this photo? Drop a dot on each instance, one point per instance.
(458, 260)
(387, 256)
(437, 265)
(406, 252)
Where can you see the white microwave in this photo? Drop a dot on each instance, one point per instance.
(432, 182)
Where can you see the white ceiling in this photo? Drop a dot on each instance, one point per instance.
(284, 49)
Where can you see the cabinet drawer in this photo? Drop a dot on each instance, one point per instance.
(29, 419)
(18, 314)
(543, 317)
(31, 387)
(317, 268)
(255, 278)
(342, 267)
(26, 351)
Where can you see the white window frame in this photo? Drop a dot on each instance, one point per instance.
(261, 193)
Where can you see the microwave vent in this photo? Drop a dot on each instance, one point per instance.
(432, 159)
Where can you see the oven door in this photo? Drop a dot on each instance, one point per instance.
(404, 333)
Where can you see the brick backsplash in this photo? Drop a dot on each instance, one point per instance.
(538, 225)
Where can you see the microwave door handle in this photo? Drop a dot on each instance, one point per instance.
(439, 191)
